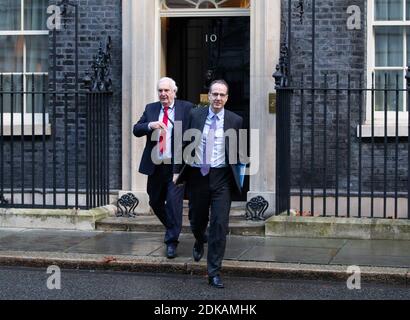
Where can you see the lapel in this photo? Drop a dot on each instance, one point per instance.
(227, 121)
(156, 111)
(227, 126)
(202, 119)
(178, 114)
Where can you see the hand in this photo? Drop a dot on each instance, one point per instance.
(157, 125)
(175, 181)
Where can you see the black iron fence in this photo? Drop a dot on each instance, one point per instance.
(98, 152)
(343, 147)
(54, 132)
(53, 144)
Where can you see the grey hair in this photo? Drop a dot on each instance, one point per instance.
(170, 81)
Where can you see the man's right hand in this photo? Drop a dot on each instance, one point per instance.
(157, 125)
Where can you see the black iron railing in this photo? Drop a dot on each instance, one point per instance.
(58, 155)
(334, 156)
(98, 155)
(327, 165)
(54, 131)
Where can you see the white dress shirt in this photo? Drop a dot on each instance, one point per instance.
(171, 116)
(218, 152)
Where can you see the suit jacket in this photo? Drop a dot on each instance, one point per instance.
(151, 114)
(197, 120)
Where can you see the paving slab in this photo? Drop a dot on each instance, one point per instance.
(43, 240)
(235, 253)
(236, 246)
(184, 249)
(289, 254)
(243, 242)
(119, 243)
(302, 242)
(377, 247)
(9, 231)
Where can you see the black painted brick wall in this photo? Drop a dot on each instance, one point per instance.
(339, 53)
(97, 20)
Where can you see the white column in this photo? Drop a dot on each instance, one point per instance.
(265, 48)
(140, 74)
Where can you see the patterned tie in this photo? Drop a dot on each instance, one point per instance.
(163, 137)
(208, 148)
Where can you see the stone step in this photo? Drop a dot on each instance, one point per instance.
(238, 208)
(237, 225)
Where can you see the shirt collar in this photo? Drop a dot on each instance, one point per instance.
(170, 107)
(218, 115)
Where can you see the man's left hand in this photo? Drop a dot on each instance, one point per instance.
(175, 179)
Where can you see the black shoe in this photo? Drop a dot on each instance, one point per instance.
(216, 282)
(171, 251)
(198, 251)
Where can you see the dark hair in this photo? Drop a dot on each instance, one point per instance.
(223, 82)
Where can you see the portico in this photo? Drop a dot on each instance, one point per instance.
(143, 64)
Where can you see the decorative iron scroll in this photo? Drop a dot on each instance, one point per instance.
(101, 69)
(256, 208)
(126, 206)
(281, 74)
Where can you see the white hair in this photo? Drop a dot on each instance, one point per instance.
(170, 81)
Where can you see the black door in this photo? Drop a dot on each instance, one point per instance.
(200, 50)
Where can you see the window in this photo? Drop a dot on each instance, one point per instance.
(23, 58)
(204, 4)
(388, 58)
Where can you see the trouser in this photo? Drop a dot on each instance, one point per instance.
(212, 191)
(166, 200)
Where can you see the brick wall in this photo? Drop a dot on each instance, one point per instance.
(97, 20)
(339, 53)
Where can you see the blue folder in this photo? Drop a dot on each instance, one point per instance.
(241, 169)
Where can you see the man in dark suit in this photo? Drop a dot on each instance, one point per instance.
(165, 198)
(211, 178)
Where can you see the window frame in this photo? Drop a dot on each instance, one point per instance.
(165, 11)
(28, 117)
(372, 24)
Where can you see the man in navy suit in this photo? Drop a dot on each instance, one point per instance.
(212, 178)
(165, 198)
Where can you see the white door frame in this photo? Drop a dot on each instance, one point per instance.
(142, 69)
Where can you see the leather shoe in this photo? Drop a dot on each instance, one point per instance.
(216, 282)
(171, 251)
(198, 251)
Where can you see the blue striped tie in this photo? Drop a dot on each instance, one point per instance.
(208, 148)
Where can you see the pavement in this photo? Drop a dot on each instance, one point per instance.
(255, 256)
